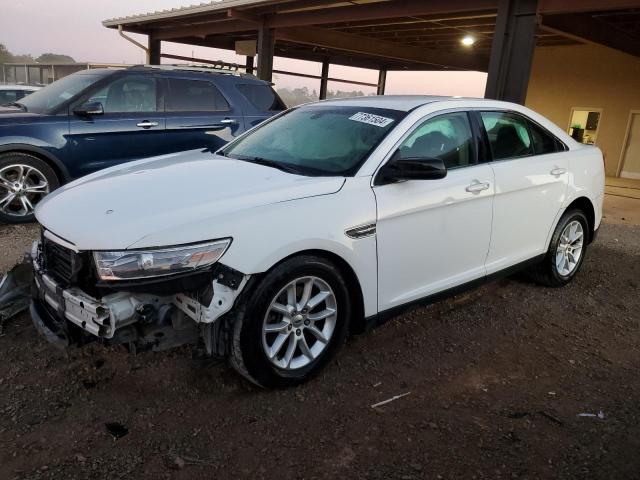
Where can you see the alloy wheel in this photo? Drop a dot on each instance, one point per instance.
(299, 323)
(569, 248)
(21, 188)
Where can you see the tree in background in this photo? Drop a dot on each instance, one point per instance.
(54, 58)
(7, 57)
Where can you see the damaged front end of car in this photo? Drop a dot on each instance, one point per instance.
(144, 299)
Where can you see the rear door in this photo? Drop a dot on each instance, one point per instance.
(199, 115)
(131, 127)
(531, 178)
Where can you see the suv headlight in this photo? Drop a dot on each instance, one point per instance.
(134, 264)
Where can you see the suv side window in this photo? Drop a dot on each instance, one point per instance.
(129, 93)
(508, 135)
(447, 137)
(194, 96)
(262, 97)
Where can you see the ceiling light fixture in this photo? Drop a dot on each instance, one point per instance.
(468, 40)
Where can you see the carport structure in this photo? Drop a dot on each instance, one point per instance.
(395, 34)
(561, 57)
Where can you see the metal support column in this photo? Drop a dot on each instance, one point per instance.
(324, 80)
(154, 51)
(249, 64)
(382, 81)
(266, 45)
(512, 50)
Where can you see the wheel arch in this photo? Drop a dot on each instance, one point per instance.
(357, 322)
(585, 205)
(51, 160)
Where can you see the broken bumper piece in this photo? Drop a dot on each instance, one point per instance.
(66, 316)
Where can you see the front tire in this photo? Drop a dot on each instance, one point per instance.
(24, 181)
(566, 253)
(292, 324)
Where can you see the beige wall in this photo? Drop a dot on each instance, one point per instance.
(587, 76)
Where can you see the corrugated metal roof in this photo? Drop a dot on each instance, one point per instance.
(205, 7)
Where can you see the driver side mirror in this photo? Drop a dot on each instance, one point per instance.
(398, 169)
(89, 109)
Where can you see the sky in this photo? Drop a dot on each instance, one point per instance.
(74, 27)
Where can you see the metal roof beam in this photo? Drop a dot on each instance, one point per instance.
(584, 27)
(320, 37)
(377, 11)
(203, 30)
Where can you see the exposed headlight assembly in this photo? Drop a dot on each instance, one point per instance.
(134, 264)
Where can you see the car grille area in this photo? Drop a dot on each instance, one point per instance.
(60, 262)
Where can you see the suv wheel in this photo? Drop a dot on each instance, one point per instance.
(566, 251)
(292, 324)
(24, 181)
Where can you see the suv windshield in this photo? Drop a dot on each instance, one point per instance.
(54, 95)
(317, 139)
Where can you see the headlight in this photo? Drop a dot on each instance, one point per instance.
(133, 264)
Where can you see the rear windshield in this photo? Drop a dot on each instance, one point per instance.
(52, 96)
(317, 139)
(262, 97)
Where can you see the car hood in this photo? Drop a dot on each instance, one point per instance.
(121, 206)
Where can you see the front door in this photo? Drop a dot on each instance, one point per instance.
(531, 176)
(131, 127)
(631, 160)
(434, 234)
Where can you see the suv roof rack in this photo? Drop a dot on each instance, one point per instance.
(218, 67)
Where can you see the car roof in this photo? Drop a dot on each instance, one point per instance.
(404, 103)
(19, 87)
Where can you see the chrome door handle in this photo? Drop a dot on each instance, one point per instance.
(228, 121)
(147, 124)
(558, 171)
(477, 186)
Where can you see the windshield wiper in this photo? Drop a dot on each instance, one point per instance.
(285, 167)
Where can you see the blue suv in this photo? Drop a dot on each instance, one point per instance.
(99, 118)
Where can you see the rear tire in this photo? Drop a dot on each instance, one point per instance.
(280, 342)
(24, 181)
(566, 253)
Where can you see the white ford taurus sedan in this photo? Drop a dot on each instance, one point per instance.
(326, 219)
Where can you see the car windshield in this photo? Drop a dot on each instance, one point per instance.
(55, 94)
(320, 140)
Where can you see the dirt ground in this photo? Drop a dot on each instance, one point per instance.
(496, 380)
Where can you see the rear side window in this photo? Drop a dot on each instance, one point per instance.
(194, 96)
(508, 135)
(543, 141)
(262, 97)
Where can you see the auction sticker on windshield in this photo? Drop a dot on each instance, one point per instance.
(371, 119)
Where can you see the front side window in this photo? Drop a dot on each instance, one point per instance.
(130, 93)
(55, 94)
(317, 139)
(508, 135)
(262, 97)
(194, 96)
(446, 137)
